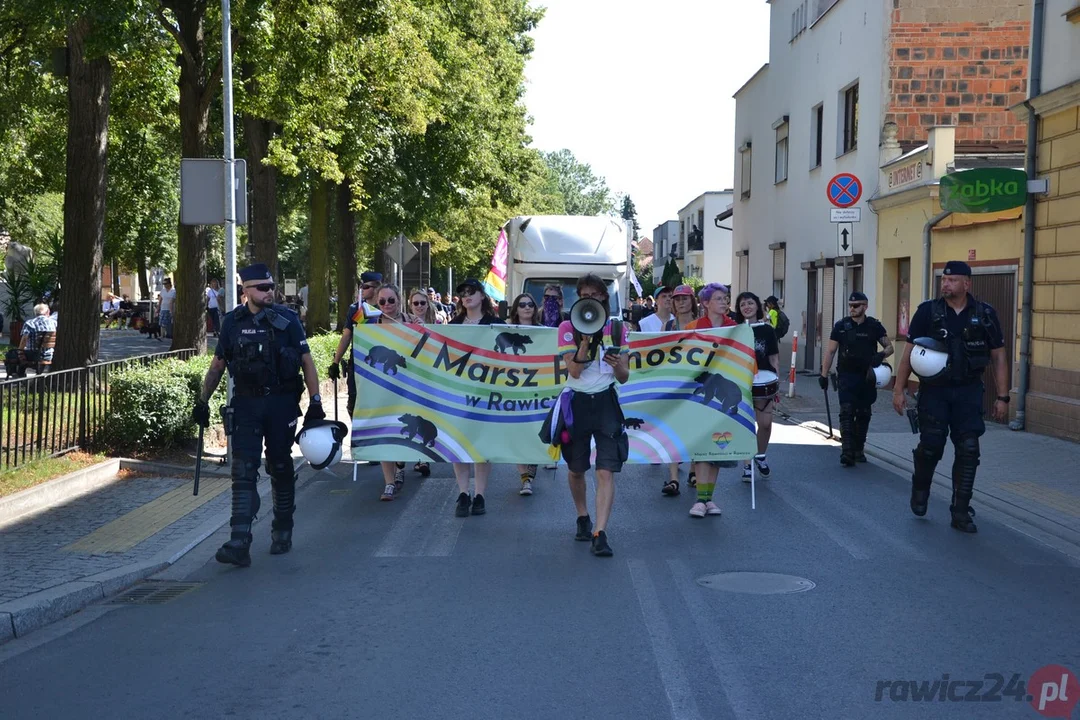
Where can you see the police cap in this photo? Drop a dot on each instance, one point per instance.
(370, 276)
(258, 271)
(857, 297)
(955, 267)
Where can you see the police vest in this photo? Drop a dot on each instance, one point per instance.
(856, 354)
(257, 356)
(969, 352)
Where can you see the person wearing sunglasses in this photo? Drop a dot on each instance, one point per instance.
(361, 312)
(388, 300)
(264, 349)
(474, 308)
(523, 311)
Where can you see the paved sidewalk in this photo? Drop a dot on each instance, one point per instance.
(1032, 473)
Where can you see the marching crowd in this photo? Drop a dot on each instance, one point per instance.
(951, 340)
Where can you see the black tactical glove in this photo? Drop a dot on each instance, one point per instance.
(823, 382)
(879, 358)
(201, 414)
(314, 413)
(334, 372)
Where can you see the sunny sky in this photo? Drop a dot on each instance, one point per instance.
(642, 91)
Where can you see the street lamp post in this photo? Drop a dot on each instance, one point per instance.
(230, 179)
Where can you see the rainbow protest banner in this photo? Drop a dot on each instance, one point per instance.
(495, 282)
(454, 393)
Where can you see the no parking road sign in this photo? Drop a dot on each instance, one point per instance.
(844, 190)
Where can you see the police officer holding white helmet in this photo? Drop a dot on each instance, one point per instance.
(859, 372)
(951, 342)
(264, 348)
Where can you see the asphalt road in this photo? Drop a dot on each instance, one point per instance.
(401, 610)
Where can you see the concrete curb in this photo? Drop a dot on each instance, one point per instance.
(1068, 541)
(209, 469)
(53, 492)
(23, 616)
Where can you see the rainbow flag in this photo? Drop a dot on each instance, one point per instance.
(365, 314)
(495, 282)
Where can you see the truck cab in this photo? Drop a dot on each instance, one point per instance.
(559, 249)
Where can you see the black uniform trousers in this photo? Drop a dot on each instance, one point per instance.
(269, 418)
(857, 396)
(950, 411)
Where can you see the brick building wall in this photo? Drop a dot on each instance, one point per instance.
(963, 65)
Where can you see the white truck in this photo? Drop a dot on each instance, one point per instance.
(546, 249)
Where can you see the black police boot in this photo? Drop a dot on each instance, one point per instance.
(284, 507)
(965, 465)
(847, 435)
(245, 507)
(921, 479)
(862, 427)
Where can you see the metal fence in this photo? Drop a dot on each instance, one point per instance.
(57, 412)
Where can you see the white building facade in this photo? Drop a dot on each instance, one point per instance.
(704, 240)
(814, 111)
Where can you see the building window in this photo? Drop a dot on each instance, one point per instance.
(781, 153)
(821, 7)
(903, 296)
(849, 127)
(817, 122)
(779, 262)
(744, 173)
(799, 19)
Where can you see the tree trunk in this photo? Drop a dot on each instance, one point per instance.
(346, 266)
(318, 312)
(116, 277)
(263, 215)
(89, 84)
(144, 283)
(189, 310)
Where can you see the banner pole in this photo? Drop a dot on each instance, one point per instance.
(794, 354)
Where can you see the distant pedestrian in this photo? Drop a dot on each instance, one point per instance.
(213, 306)
(166, 303)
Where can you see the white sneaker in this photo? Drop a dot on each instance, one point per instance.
(711, 508)
(698, 510)
(550, 467)
(388, 493)
(746, 477)
(762, 466)
(526, 488)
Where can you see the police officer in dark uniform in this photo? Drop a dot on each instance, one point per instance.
(264, 349)
(951, 342)
(357, 315)
(857, 338)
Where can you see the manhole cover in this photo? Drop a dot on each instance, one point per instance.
(153, 593)
(756, 583)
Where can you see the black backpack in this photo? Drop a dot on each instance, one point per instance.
(782, 324)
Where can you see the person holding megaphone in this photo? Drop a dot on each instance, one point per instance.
(594, 350)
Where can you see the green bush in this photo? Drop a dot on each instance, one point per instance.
(150, 406)
(323, 348)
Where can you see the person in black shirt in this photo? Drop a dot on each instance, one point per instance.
(856, 337)
(767, 351)
(951, 342)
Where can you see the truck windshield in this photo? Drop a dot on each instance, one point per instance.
(535, 287)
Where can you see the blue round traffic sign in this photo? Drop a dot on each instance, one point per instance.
(844, 190)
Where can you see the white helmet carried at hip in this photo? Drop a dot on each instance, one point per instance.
(882, 374)
(321, 443)
(929, 358)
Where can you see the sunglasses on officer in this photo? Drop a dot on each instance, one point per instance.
(261, 287)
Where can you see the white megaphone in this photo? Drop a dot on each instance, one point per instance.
(588, 316)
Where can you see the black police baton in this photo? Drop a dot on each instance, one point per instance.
(198, 460)
(828, 411)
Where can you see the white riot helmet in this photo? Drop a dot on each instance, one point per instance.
(320, 443)
(882, 374)
(929, 358)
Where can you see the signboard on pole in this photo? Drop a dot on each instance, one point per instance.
(400, 250)
(845, 240)
(202, 191)
(845, 215)
(984, 190)
(844, 190)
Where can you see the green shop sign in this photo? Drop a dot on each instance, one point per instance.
(984, 190)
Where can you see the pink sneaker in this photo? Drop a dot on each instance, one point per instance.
(698, 510)
(711, 508)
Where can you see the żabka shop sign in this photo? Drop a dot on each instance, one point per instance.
(984, 190)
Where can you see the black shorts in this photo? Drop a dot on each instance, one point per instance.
(597, 417)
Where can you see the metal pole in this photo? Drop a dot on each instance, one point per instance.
(928, 265)
(401, 264)
(449, 284)
(230, 179)
(1034, 90)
